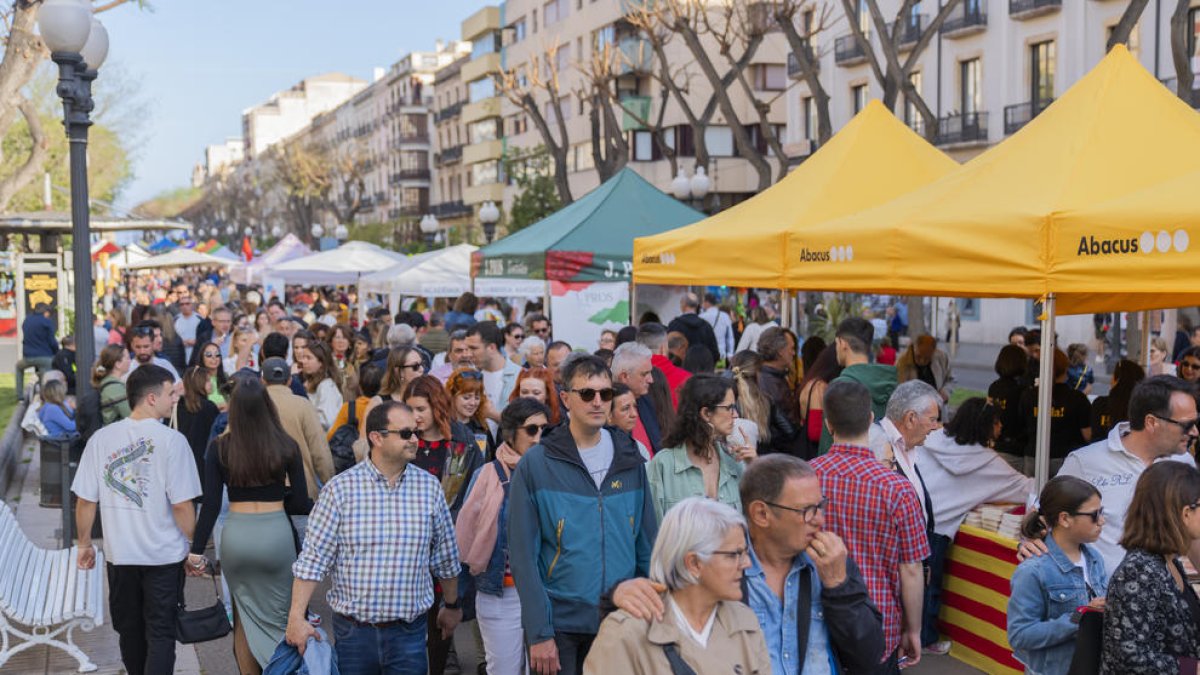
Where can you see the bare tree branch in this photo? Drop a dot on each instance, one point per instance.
(39, 149)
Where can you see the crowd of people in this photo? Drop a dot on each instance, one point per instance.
(695, 496)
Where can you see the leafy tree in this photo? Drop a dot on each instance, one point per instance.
(539, 196)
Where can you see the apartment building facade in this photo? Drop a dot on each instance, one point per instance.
(567, 33)
(993, 67)
(450, 136)
(290, 111)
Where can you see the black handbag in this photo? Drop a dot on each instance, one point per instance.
(202, 625)
(1088, 643)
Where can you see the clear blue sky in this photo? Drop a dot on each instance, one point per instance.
(201, 62)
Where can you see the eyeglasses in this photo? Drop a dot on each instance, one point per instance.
(533, 429)
(518, 336)
(589, 394)
(1094, 515)
(471, 375)
(415, 367)
(736, 555)
(541, 331)
(212, 355)
(1191, 365)
(404, 434)
(806, 512)
(730, 407)
(1185, 427)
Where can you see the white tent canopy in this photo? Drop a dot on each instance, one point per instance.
(180, 257)
(443, 273)
(288, 248)
(346, 264)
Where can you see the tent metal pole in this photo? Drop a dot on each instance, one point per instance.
(632, 304)
(546, 302)
(1146, 338)
(1045, 385)
(785, 308)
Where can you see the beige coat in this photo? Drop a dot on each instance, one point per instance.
(299, 419)
(635, 647)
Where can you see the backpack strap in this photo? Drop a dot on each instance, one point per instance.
(352, 414)
(678, 665)
(115, 401)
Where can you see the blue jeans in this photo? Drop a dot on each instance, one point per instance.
(365, 650)
(939, 546)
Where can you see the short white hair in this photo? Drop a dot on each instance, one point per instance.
(528, 344)
(401, 335)
(628, 357)
(912, 396)
(695, 525)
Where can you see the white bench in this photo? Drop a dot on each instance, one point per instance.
(46, 592)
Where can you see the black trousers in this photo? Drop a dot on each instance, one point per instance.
(573, 648)
(143, 601)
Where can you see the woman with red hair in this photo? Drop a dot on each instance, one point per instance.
(538, 384)
(469, 403)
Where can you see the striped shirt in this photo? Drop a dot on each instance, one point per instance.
(382, 543)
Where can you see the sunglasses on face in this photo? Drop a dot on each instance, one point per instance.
(212, 355)
(518, 336)
(533, 429)
(1094, 515)
(404, 434)
(589, 395)
(1190, 365)
(1185, 427)
(415, 367)
(471, 375)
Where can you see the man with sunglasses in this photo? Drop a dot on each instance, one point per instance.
(1161, 426)
(580, 520)
(802, 584)
(382, 528)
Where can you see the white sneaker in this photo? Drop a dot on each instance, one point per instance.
(940, 648)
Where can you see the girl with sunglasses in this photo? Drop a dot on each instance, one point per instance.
(1047, 589)
(482, 531)
(208, 356)
(447, 450)
(404, 364)
(470, 403)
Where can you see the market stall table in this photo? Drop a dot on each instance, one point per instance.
(975, 592)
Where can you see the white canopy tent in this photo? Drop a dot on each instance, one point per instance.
(288, 248)
(444, 273)
(180, 257)
(346, 264)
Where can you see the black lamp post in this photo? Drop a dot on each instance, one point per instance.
(78, 43)
(489, 215)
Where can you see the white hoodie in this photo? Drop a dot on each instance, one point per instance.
(961, 477)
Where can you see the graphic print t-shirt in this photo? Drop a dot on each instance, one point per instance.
(135, 470)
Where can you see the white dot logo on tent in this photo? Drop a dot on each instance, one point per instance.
(842, 253)
(1164, 241)
(850, 249)
(833, 254)
(1181, 241)
(1146, 243)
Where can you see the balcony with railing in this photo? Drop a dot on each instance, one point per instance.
(1026, 9)
(412, 174)
(419, 137)
(847, 51)
(961, 128)
(908, 31)
(455, 209)
(449, 155)
(410, 210)
(793, 64)
(969, 20)
(449, 112)
(1017, 116)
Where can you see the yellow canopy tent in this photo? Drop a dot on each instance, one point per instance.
(996, 227)
(873, 159)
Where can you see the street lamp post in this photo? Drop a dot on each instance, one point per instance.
(429, 227)
(693, 189)
(78, 43)
(489, 215)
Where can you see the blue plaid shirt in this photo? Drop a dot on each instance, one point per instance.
(381, 541)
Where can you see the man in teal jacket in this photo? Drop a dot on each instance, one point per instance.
(854, 339)
(580, 520)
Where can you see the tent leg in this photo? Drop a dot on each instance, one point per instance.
(546, 302)
(785, 308)
(632, 304)
(1045, 385)
(1146, 337)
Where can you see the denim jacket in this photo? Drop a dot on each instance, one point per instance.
(492, 579)
(1045, 592)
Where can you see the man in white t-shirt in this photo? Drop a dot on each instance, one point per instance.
(186, 324)
(143, 476)
(1161, 426)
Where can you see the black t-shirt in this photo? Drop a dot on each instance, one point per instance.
(1005, 394)
(925, 374)
(1071, 414)
(1102, 418)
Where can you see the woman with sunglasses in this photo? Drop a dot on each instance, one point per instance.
(514, 335)
(482, 531)
(465, 388)
(695, 460)
(1152, 617)
(700, 555)
(538, 384)
(321, 380)
(1047, 589)
(208, 356)
(404, 365)
(447, 450)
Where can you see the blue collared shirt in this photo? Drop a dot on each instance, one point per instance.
(778, 620)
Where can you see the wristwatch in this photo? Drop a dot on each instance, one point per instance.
(452, 605)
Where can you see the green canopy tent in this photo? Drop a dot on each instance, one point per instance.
(582, 251)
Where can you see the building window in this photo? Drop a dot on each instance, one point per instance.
(681, 139)
(484, 173)
(488, 44)
(1041, 73)
(518, 30)
(555, 11)
(481, 89)
(858, 98)
(810, 118)
(643, 147)
(769, 76)
(535, 21)
(483, 130)
(912, 114)
(719, 141)
(1193, 35)
(864, 17)
(970, 84)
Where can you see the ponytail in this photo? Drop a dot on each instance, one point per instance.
(1063, 494)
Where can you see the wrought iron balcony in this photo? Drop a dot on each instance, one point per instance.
(450, 111)
(1024, 9)
(910, 29)
(969, 20)
(413, 174)
(1017, 116)
(455, 209)
(847, 51)
(449, 155)
(963, 128)
(793, 65)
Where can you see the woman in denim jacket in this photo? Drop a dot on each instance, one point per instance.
(1046, 590)
(483, 538)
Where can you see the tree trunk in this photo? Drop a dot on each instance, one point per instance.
(1124, 27)
(1180, 32)
(802, 50)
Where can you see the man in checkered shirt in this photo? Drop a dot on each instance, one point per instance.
(382, 527)
(877, 512)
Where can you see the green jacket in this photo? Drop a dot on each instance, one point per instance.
(880, 380)
(674, 478)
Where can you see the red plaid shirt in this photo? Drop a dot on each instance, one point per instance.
(876, 511)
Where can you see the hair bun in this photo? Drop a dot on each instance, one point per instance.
(101, 370)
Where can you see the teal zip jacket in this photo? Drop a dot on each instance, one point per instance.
(568, 542)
